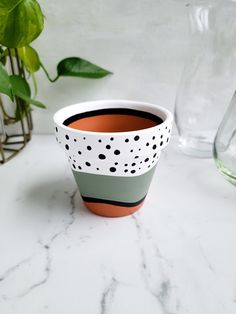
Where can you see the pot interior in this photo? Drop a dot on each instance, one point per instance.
(113, 120)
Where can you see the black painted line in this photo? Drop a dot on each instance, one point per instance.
(117, 203)
(123, 111)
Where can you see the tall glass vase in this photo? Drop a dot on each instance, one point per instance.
(225, 144)
(209, 76)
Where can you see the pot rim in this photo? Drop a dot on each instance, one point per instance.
(62, 114)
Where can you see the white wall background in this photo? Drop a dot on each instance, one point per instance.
(142, 41)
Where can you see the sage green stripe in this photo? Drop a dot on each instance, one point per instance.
(123, 189)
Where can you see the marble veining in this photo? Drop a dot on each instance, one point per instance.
(46, 249)
(161, 290)
(175, 256)
(108, 296)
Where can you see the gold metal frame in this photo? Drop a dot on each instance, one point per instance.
(11, 145)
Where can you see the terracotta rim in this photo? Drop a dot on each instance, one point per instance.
(112, 120)
(61, 115)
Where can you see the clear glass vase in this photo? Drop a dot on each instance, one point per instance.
(209, 76)
(225, 144)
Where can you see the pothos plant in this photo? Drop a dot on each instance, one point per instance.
(21, 22)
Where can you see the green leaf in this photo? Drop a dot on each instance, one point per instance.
(80, 68)
(21, 89)
(5, 84)
(30, 100)
(19, 84)
(6, 5)
(21, 21)
(21, 112)
(30, 58)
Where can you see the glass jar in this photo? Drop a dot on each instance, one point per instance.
(225, 144)
(209, 76)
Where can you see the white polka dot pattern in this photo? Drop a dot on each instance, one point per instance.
(120, 154)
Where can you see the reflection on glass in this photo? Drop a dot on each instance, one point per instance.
(225, 144)
(209, 76)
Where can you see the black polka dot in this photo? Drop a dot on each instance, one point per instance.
(75, 140)
(169, 130)
(88, 164)
(112, 169)
(69, 157)
(167, 140)
(100, 141)
(108, 147)
(73, 166)
(79, 168)
(139, 149)
(153, 161)
(154, 155)
(149, 166)
(126, 165)
(67, 137)
(117, 152)
(147, 144)
(89, 147)
(154, 146)
(141, 162)
(126, 170)
(136, 138)
(67, 147)
(162, 136)
(139, 168)
(79, 152)
(161, 143)
(132, 171)
(116, 163)
(112, 138)
(56, 129)
(166, 127)
(131, 150)
(127, 140)
(56, 139)
(153, 137)
(146, 160)
(136, 157)
(97, 168)
(74, 160)
(101, 156)
(84, 138)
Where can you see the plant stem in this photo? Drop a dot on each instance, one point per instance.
(22, 73)
(47, 74)
(18, 62)
(11, 61)
(35, 85)
(17, 100)
(23, 104)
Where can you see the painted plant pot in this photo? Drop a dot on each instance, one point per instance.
(113, 147)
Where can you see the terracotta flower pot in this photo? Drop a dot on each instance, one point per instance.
(113, 147)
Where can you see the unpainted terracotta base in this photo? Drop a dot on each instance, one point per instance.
(108, 210)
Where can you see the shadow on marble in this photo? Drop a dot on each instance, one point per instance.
(215, 183)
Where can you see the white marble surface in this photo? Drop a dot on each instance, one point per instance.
(175, 256)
